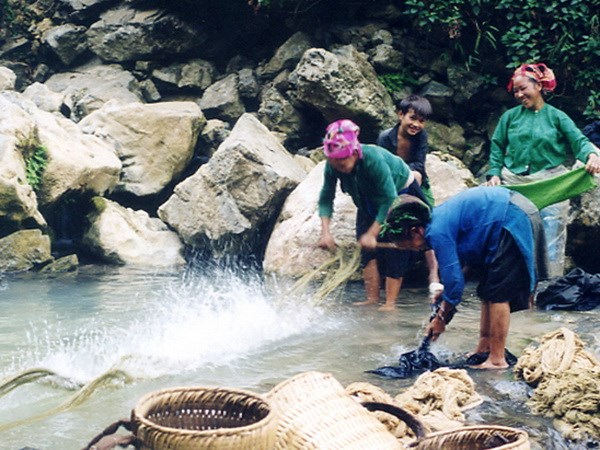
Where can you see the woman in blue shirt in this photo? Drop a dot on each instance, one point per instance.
(494, 229)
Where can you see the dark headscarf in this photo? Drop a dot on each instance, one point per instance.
(405, 212)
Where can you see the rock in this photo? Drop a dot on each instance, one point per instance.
(212, 136)
(23, 250)
(91, 86)
(7, 79)
(279, 115)
(448, 176)
(446, 139)
(18, 202)
(45, 99)
(440, 97)
(343, 85)
(69, 263)
(386, 58)
(155, 142)
(287, 55)
(231, 202)
(247, 85)
(194, 75)
(67, 42)
(126, 34)
(292, 249)
(221, 100)
(75, 162)
(121, 235)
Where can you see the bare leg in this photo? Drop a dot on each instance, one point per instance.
(499, 314)
(484, 329)
(392, 291)
(372, 281)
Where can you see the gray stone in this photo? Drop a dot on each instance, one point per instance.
(24, 250)
(222, 100)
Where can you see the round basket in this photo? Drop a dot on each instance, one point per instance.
(203, 418)
(315, 412)
(476, 437)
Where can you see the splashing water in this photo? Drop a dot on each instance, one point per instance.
(193, 321)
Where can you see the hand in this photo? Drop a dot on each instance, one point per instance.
(435, 328)
(494, 181)
(368, 241)
(418, 177)
(593, 163)
(326, 242)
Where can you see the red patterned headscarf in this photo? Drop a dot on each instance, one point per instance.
(538, 72)
(341, 140)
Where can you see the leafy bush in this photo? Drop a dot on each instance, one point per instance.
(562, 33)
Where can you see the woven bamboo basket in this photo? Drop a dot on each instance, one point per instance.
(315, 412)
(203, 418)
(477, 437)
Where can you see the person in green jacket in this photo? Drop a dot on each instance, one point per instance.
(533, 141)
(373, 177)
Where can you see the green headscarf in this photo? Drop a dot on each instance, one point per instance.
(405, 212)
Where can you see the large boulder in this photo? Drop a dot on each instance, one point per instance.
(74, 161)
(155, 141)
(121, 235)
(126, 34)
(24, 250)
(18, 202)
(292, 249)
(342, 84)
(89, 87)
(448, 176)
(231, 202)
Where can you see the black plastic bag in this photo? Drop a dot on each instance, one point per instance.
(576, 291)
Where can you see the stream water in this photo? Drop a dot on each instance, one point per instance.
(214, 327)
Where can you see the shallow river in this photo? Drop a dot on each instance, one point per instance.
(207, 328)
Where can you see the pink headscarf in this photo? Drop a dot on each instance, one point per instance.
(341, 140)
(538, 72)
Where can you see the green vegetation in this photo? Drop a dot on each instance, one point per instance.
(35, 166)
(36, 160)
(564, 34)
(395, 82)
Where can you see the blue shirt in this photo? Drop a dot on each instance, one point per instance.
(466, 229)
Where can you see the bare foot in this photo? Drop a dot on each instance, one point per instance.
(489, 365)
(366, 303)
(387, 308)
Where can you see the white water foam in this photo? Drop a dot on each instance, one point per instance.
(193, 322)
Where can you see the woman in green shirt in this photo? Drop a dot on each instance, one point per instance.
(533, 141)
(373, 177)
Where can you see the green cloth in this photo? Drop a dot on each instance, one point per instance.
(556, 189)
(373, 184)
(527, 141)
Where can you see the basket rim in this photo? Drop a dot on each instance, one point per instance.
(138, 419)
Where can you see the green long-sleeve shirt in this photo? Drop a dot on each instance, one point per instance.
(373, 184)
(528, 141)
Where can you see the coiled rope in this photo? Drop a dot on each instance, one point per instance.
(567, 380)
